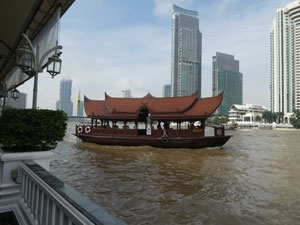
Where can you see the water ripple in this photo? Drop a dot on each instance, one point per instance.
(253, 179)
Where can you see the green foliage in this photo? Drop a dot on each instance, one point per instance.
(217, 120)
(270, 117)
(23, 130)
(257, 118)
(295, 119)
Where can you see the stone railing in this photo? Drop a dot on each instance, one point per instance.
(35, 196)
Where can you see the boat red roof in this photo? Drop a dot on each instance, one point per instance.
(171, 108)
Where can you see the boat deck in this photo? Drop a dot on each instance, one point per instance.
(170, 138)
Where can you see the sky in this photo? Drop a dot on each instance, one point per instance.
(111, 45)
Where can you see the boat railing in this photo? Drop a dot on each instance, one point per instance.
(44, 199)
(185, 132)
(87, 129)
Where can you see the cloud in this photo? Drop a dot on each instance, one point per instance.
(133, 57)
(163, 8)
(225, 5)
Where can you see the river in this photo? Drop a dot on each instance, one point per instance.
(253, 179)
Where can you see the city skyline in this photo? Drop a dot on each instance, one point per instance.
(114, 46)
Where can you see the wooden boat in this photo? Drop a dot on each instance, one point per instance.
(147, 121)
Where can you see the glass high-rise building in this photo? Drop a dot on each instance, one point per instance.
(285, 60)
(186, 53)
(227, 78)
(64, 103)
(167, 90)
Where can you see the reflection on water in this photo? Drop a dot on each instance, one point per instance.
(253, 179)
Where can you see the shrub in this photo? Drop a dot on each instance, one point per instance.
(23, 130)
(295, 119)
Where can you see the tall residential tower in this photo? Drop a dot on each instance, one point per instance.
(186, 53)
(64, 103)
(285, 60)
(228, 79)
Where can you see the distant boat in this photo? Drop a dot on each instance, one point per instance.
(173, 122)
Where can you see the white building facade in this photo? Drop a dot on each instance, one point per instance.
(245, 113)
(285, 60)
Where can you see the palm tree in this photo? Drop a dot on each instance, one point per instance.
(267, 116)
(280, 117)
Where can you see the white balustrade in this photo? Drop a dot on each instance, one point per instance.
(36, 197)
(48, 207)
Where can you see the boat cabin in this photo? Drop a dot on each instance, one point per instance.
(149, 116)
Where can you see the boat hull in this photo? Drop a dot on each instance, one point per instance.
(159, 142)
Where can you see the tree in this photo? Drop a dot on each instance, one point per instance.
(295, 119)
(280, 117)
(218, 120)
(267, 116)
(270, 117)
(258, 118)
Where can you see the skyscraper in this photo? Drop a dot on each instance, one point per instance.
(64, 103)
(285, 60)
(186, 53)
(226, 77)
(167, 90)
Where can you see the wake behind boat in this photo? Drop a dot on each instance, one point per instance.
(147, 121)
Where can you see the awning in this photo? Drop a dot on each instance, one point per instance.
(18, 17)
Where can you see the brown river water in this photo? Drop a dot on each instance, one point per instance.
(253, 179)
